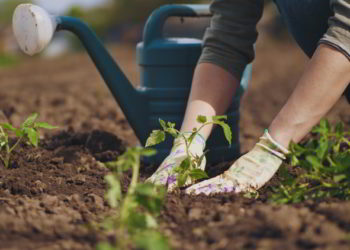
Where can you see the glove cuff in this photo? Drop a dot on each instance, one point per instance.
(268, 143)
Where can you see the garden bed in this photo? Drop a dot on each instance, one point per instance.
(51, 195)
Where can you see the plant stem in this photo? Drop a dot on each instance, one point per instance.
(128, 198)
(15, 145)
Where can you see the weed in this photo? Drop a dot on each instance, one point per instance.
(189, 167)
(27, 132)
(134, 221)
(324, 163)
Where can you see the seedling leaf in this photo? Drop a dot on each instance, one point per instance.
(9, 127)
(219, 117)
(198, 174)
(163, 124)
(151, 240)
(114, 192)
(44, 125)
(104, 246)
(32, 136)
(227, 130)
(30, 120)
(148, 152)
(156, 137)
(201, 119)
(181, 179)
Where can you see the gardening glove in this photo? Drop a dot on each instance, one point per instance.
(165, 173)
(249, 173)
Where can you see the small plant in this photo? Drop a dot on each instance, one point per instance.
(189, 167)
(324, 165)
(27, 132)
(134, 220)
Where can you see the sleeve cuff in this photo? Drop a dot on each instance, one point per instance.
(338, 37)
(233, 65)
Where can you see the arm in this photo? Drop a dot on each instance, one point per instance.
(227, 49)
(322, 83)
(320, 87)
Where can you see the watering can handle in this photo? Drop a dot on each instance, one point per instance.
(154, 26)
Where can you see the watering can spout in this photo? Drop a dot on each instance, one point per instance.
(34, 28)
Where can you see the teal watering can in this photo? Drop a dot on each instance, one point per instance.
(167, 66)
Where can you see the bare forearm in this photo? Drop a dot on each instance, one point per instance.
(211, 94)
(321, 85)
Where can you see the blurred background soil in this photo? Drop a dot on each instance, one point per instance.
(67, 91)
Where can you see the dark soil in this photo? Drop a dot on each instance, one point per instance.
(51, 194)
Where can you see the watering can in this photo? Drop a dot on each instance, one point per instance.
(167, 65)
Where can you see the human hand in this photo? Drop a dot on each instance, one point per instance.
(249, 173)
(165, 174)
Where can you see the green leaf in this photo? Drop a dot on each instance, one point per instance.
(136, 220)
(30, 120)
(314, 161)
(197, 174)
(163, 124)
(200, 159)
(171, 125)
(33, 136)
(105, 246)
(114, 192)
(201, 119)
(322, 128)
(227, 130)
(185, 164)
(20, 132)
(219, 117)
(156, 137)
(173, 132)
(44, 125)
(151, 222)
(322, 149)
(150, 196)
(8, 126)
(181, 179)
(148, 152)
(151, 240)
(339, 129)
(339, 178)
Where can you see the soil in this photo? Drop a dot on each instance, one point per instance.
(51, 194)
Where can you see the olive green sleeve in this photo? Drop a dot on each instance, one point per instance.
(338, 33)
(229, 40)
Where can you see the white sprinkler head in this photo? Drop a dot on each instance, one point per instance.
(33, 28)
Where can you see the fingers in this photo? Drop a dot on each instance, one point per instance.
(160, 178)
(205, 187)
(218, 184)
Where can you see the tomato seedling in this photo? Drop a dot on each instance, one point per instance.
(27, 132)
(134, 220)
(189, 167)
(324, 163)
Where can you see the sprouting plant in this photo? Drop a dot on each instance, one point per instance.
(27, 132)
(189, 167)
(324, 165)
(134, 221)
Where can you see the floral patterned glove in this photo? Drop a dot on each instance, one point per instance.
(249, 173)
(165, 174)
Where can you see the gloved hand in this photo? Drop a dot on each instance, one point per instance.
(165, 174)
(249, 173)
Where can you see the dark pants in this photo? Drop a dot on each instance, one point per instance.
(307, 22)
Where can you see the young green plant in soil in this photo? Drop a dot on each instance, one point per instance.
(27, 132)
(134, 221)
(323, 163)
(189, 167)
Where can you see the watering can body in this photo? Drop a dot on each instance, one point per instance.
(166, 66)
